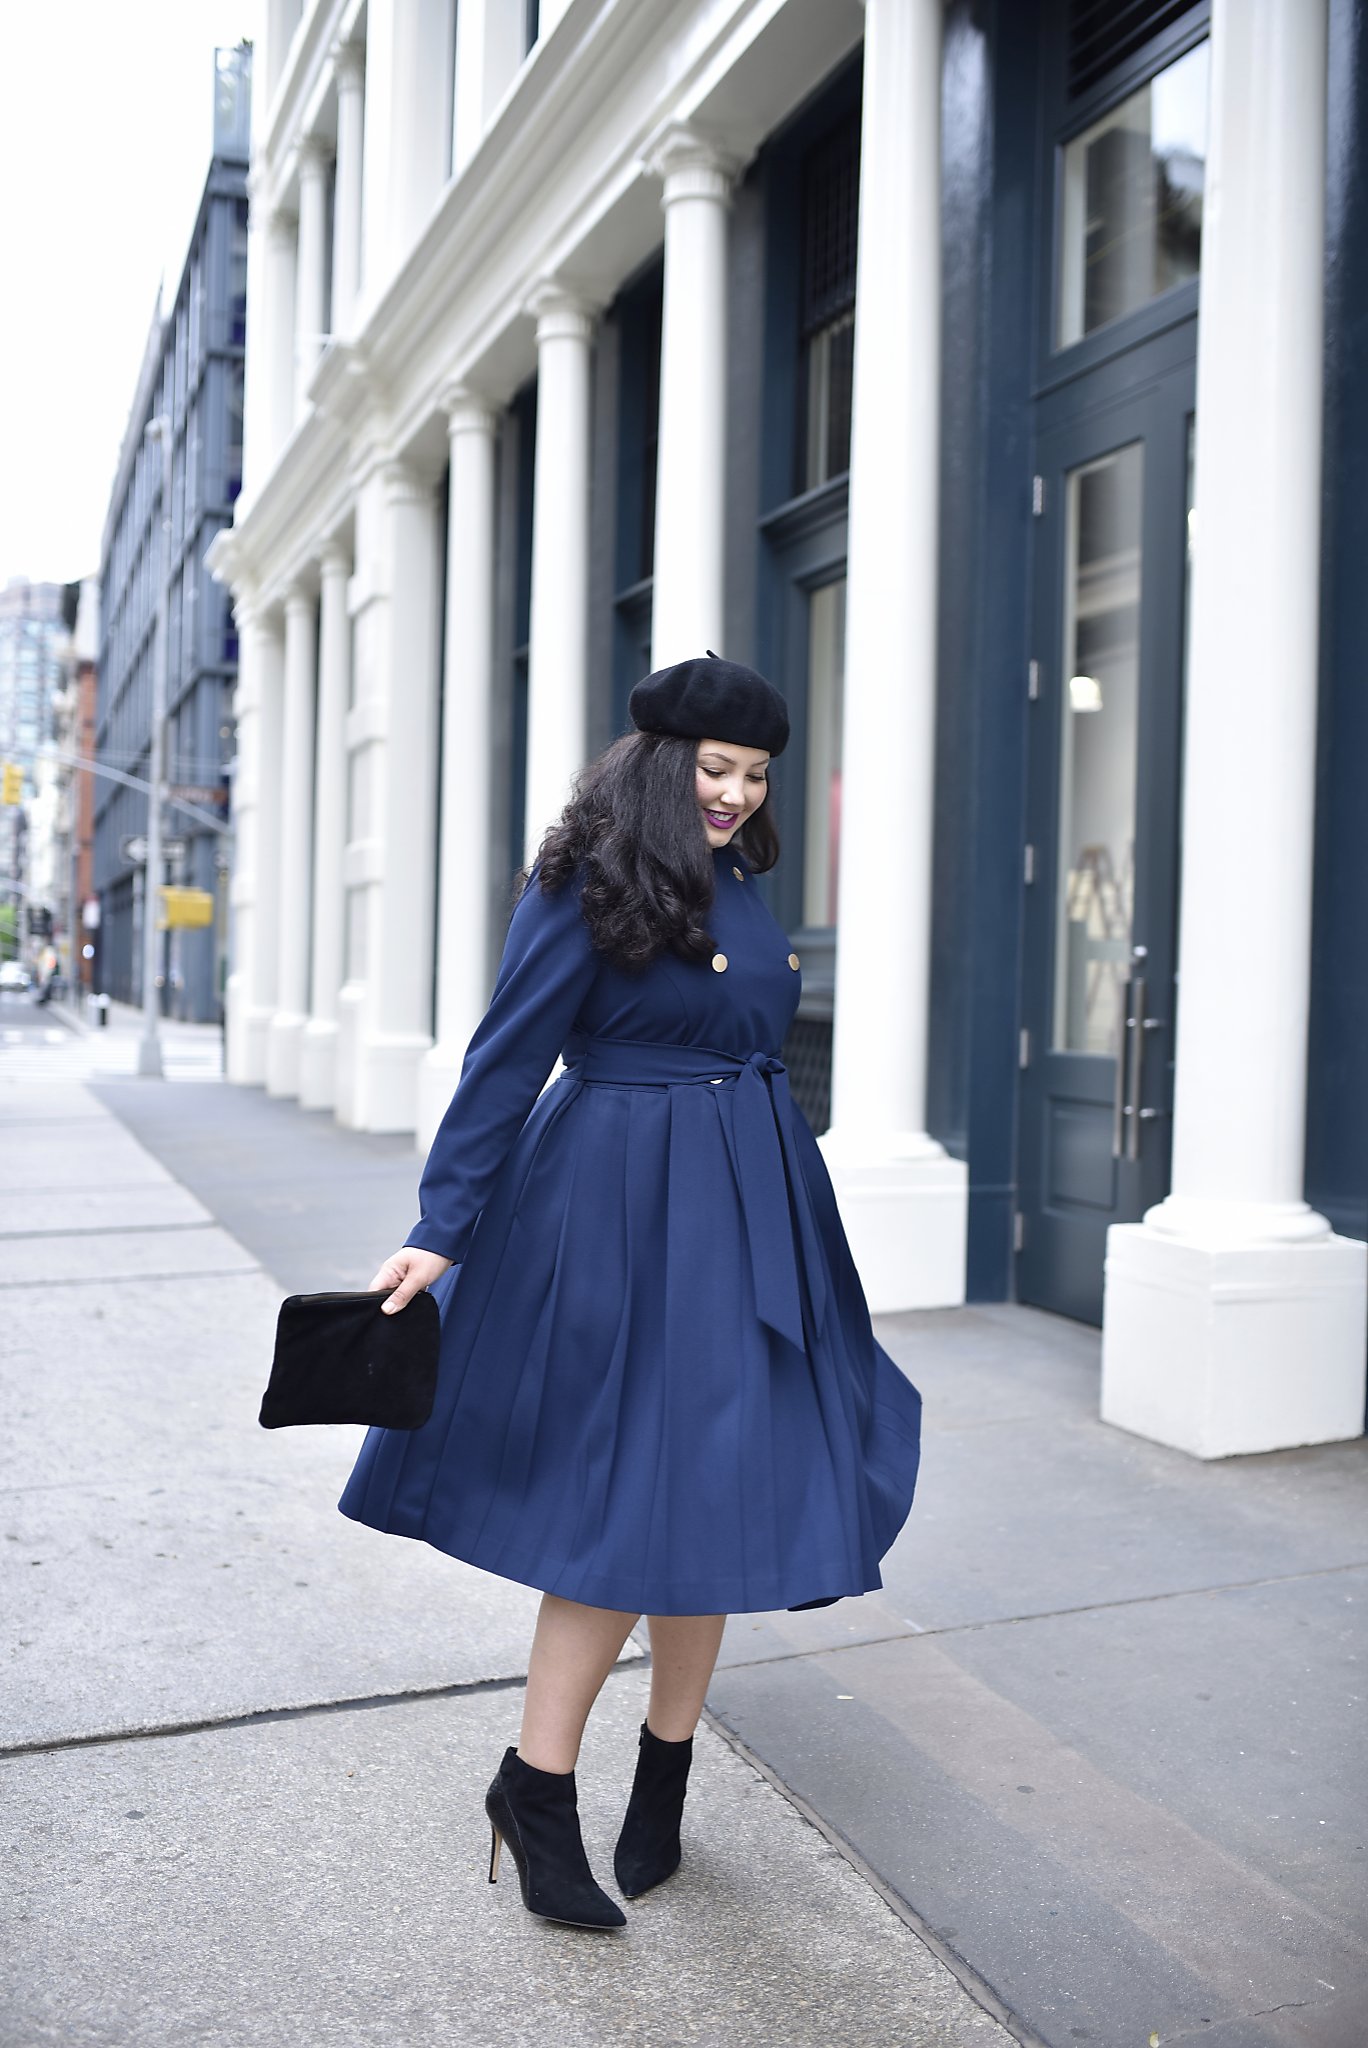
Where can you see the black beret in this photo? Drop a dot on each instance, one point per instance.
(707, 698)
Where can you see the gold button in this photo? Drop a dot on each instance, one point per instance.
(793, 960)
(738, 874)
(719, 961)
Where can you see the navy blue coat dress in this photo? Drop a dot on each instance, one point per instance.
(659, 1389)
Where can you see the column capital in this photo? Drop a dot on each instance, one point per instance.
(334, 558)
(281, 221)
(467, 411)
(691, 165)
(561, 312)
(403, 483)
(300, 596)
(312, 155)
(348, 59)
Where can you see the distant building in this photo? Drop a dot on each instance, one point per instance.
(192, 373)
(32, 634)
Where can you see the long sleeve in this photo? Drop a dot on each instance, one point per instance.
(547, 969)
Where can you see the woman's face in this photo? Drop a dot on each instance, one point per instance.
(731, 783)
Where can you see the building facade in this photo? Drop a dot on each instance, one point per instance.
(32, 640)
(862, 343)
(192, 375)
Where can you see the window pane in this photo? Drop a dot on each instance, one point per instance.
(1131, 221)
(1095, 872)
(826, 678)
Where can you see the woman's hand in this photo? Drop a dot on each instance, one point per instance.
(408, 1273)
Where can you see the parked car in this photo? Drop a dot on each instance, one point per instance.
(14, 974)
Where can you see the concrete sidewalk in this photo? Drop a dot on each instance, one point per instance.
(245, 1742)
(1102, 1734)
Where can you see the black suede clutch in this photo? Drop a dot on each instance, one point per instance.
(338, 1359)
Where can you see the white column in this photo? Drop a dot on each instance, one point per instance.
(349, 70)
(408, 49)
(278, 332)
(558, 642)
(293, 878)
(463, 874)
(903, 1201)
(690, 528)
(489, 52)
(318, 1047)
(311, 269)
(257, 703)
(1234, 1318)
(395, 1024)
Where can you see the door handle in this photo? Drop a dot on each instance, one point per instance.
(1135, 1035)
(1132, 1034)
(1119, 1093)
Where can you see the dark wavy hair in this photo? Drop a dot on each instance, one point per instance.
(633, 825)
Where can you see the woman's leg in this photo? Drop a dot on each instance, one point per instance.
(573, 1650)
(684, 1651)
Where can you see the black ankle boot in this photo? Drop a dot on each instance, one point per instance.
(536, 1812)
(648, 1848)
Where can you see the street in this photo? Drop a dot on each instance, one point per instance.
(1088, 1768)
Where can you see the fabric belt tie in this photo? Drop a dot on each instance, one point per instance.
(781, 1231)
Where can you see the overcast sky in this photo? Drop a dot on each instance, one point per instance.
(106, 125)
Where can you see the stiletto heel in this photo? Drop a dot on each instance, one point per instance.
(648, 1848)
(495, 1850)
(537, 1812)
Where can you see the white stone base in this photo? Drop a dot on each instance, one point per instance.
(907, 1218)
(282, 1052)
(347, 1063)
(438, 1072)
(247, 1026)
(384, 1095)
(1225, 1348)
(318, 1064)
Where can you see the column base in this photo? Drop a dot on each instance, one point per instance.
(347, 1060)
(248, 1024)
(383, 1091)
(318, 1064)
(282, 1052)
(1220, 1347)
(906, 1214)
(438, 1072)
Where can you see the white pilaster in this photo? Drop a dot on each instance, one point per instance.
(1234, 1318)
(690, 520)
(904, 1202)
(408, 50)
(489, 51)
(463, 887)
(399, 871)
(318, 1046)
(311, 268)
(349, 71)
(278, 332)
(293, 878)
(258, 705)
(558, 645)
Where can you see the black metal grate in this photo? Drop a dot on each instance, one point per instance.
(831, 218)
(1103, 32)
(806, 1052)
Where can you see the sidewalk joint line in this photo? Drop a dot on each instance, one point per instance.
(131, 1279)
(112, 1229)
(262, 1716)
(978, 1987)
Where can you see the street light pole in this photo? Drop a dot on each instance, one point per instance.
(149, 1046)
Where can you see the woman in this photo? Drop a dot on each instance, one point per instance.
(660, 1393)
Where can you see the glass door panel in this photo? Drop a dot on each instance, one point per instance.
(826, 680)
(1099, 703)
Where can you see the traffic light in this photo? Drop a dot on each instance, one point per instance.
(11, 783)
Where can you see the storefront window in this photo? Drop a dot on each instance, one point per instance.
(830, 234)
(1131, 213)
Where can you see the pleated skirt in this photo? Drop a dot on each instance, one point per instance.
(613, 1422)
